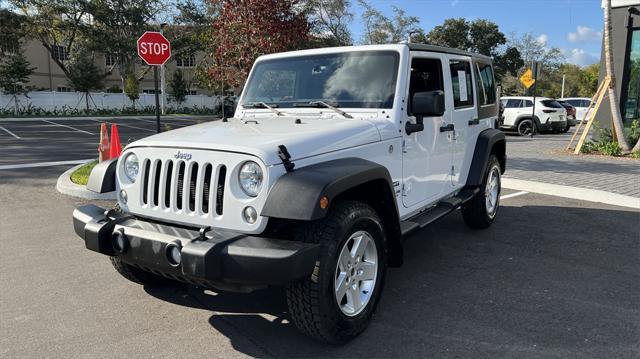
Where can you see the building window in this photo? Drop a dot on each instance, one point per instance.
(186, 61)
(59, 52)
(110, 59)
(631, 105)
(64, 89)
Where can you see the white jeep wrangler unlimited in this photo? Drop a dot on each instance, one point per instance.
(333, 156)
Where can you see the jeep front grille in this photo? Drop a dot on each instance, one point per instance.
(180, 186)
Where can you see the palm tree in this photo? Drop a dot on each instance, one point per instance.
(613, 97)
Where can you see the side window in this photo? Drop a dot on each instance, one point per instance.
(586, 103)
(486, 86)
(426, 75)
(527, 103)
(513, 103)
(575, 103)
(462, 84)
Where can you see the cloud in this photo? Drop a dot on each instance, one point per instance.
(542, 39)
(580, 57)
(585, 34)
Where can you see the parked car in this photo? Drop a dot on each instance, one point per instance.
(571, 114)
(583, 106)
(333, 156)
(517, 116)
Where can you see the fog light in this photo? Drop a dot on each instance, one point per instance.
(174, 255)
(250, 215)
(120, 241)
(123, 196)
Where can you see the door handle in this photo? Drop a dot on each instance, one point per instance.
(473, 122)
(447, 128)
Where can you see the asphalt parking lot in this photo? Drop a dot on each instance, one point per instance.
(45, 140)
(551, 278)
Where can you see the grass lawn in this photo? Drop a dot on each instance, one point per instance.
(81, 175)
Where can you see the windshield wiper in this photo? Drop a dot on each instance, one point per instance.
(324, 105)
(264, 105)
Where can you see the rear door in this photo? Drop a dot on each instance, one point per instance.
(465, 112)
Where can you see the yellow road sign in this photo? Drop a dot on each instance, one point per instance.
(527, 78)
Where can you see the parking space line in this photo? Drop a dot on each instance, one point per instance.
(513, 195)
(73, 128)
(44, 164)
(129, 126)
(9, 132)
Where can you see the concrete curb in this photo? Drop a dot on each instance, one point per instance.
(64, 185)
(584, 194)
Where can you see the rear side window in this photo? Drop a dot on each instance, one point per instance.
(527, 103)
(551, 103)
(486, 87)
(513, 104)
(462, 84)
(586, 103)
(576, 103)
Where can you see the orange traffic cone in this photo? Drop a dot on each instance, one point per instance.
(115, 149)
(103, 147)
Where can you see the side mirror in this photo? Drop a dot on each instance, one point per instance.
(430, 104)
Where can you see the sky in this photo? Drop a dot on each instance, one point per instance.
(574, 26)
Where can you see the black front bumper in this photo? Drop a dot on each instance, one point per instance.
(215, 258)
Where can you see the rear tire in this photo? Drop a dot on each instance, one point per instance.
(524, 127)
(353, 256)
(481, 210)
(138, 275)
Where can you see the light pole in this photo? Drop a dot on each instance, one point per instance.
(162, 79)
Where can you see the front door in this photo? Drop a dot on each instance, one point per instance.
(426, 159)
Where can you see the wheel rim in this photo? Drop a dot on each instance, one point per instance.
(492, 191)
(524, 128)
(356, 273)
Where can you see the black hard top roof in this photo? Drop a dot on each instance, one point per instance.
(446, 50)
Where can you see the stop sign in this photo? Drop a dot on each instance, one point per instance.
(154, 48)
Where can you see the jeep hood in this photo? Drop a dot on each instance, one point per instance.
(310, 138)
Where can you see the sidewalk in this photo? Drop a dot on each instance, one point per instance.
(542, 159)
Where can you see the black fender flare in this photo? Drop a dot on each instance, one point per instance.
(296, 195)
(490, 141)
(103, 177)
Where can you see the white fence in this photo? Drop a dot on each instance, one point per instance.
(49, 100)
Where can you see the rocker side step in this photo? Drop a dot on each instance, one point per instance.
(436, 212)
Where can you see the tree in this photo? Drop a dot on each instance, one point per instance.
(57, 24)
(178, 87)
(508, 63)
(329, 22)
(116, 26)
(535, 49)
(12, 31)
(616, 117)
(246, 29)
(452, 33)
(84, 75)
(481, 36)
(15, 70)
(380, 29)
(132, 87)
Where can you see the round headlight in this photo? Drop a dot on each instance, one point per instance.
(131, 167)
(250, 178)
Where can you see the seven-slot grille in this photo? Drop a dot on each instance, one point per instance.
(187, 187)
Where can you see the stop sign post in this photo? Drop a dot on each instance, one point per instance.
(155, 50)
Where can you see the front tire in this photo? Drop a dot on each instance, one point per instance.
(481, 210)
(525, 127)
(337, 302)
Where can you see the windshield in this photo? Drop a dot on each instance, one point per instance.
(351, 80)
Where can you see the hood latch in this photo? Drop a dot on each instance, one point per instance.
(284, 155)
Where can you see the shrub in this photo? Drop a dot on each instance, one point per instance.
(633, 132)
(635, 154)
(610, 148)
